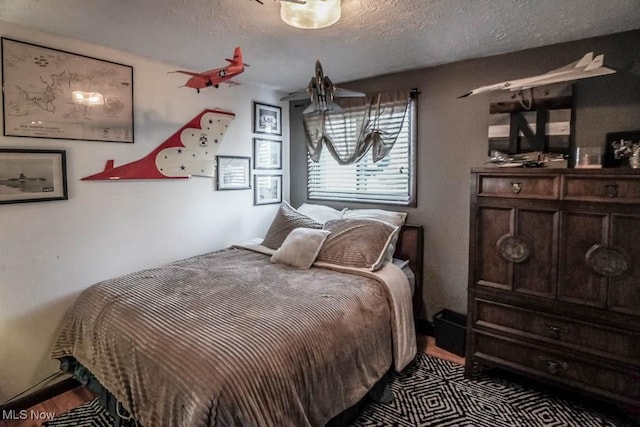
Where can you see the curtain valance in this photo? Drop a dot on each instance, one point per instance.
(356, 125)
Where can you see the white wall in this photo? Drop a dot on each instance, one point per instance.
(51, 251)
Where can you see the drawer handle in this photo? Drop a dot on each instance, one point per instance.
(514, 249)
(608, 261)
(554, 367)
(554, 331)
(516, 187)
(611, 190)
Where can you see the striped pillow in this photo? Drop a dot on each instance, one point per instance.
(286, 220)
(360, 243)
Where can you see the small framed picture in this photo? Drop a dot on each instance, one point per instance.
(267, 153)
(267, 119)
(233, 173)
(32, 175)
(267, 189)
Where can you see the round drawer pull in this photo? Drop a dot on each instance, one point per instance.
(608, 262)
(513, 248)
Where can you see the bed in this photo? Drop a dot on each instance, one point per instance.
(238, 337)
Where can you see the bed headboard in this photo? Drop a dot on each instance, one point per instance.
(410, 247)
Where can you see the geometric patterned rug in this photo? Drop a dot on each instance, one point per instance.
(432, 392)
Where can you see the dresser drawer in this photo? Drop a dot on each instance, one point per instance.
(562, 367)
(519, 186)
(601, 188)
(577, 335)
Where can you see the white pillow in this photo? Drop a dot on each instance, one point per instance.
(390, 217)
(319, 213)
(300, 248)
(394, 218)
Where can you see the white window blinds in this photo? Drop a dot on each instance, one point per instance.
(390, 180)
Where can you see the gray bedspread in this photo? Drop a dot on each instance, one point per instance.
(229, 339)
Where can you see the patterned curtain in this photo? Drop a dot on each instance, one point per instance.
(357, 126)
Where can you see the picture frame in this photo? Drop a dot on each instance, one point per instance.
(620, 147)
(267, 153)
(267, 119)
(267, 189)
(233, 173)
(56, 94)
(28, 175)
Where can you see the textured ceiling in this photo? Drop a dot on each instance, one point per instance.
(373, 37)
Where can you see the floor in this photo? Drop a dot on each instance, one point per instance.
(76, 397)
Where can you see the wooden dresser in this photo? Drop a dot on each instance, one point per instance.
(554, 278)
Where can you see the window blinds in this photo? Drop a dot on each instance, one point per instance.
(390, 180)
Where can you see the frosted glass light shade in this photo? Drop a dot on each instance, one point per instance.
(313, 14)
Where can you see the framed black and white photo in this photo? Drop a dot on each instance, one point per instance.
(267, 189)
(51, 93)
(32, 175)
(233, 173)
(267, 119)
(267, 153)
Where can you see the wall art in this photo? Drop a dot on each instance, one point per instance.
(50, 93)
(267, 119)
(267, 153)
(32, 175)
(233, 173)
(267, 189)
(190, 151)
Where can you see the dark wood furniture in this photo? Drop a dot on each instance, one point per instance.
(554, 278)
(410, 247)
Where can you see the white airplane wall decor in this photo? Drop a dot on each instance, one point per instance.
(322, 93)
(586, 67)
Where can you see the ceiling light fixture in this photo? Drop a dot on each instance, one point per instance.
(310, 14)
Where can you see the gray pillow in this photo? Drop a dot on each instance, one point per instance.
(394, 218)
(286, 220)
(360, 243)
(301, 247)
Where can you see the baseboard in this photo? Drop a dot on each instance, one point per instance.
(39, 396)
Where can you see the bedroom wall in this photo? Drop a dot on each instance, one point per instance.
(51, 251)
(452, 138)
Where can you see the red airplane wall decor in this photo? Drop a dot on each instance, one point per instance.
(190, 151)
(217, 75)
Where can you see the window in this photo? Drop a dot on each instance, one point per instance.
(391, 180)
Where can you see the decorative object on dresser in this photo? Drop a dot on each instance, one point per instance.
(623, 149)
(554, 282)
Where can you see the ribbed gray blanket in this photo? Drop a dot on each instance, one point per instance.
(229, 339)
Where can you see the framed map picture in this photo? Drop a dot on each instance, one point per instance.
(50, 93)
